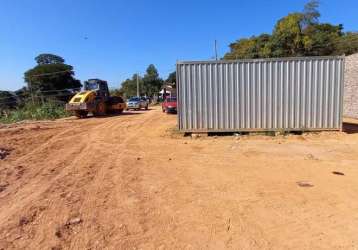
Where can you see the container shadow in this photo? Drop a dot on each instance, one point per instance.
(350, 128)
(126, 113)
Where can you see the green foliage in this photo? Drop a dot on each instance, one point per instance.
(8, 100)
(321, 39)
(297, 34)
(172, 77)
(116, 92)
(50, 77)
(347, 44)
(152, 83)
(287, 36)
(311, 13)
(50, 84)
(49, 59)
(22, 93)
(254, 47)
(149, 85)
(129, 86)
(241, 49)
(46, 111)
(12, 100)
(47, 77)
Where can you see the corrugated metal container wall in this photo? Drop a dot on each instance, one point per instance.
(261, 95)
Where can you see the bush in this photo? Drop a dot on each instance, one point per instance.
(46, 111)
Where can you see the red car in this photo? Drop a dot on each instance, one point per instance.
(170, 105)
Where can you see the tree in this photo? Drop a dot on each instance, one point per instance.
(49, 59)
(254, 47)
(347, 44)
(23, 95)
(287, 37)
(286, 40)
(311, 13)
(321, 39)
(152, 83)
(51, 77)
(129, 87)
(149, 85)
(241, 49)
(297, 34)
(116, 92)
(172, 77)
(7, 100)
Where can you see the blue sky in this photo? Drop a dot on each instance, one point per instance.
(126, 36)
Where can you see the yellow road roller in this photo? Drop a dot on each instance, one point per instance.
(95, 98)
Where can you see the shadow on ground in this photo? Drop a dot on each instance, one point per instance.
(125, 113)
(350, 128)
(149, 109)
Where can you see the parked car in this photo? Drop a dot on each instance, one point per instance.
(170, 105)
(137, 103)
(146, 99)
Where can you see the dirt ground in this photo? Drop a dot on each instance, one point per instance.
(132, 182)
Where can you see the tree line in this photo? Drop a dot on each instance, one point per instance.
(51, 79)
(297, 34)
(149, 84)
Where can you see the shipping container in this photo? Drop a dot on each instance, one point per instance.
(285, 94)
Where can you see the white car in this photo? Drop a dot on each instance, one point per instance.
(137, 103)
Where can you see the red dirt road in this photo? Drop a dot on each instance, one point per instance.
(131, 182)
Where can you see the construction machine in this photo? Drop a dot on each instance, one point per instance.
(95, 98)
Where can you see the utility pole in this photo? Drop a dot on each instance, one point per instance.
(216, 51)
(137, 84)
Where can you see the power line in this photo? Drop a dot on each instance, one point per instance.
(40, 75)
(64, 94)
(39, 91)
(38, 96)
(2, 103)
(54, 90)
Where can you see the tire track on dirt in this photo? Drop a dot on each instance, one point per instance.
(79, 155)
(117, 176)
